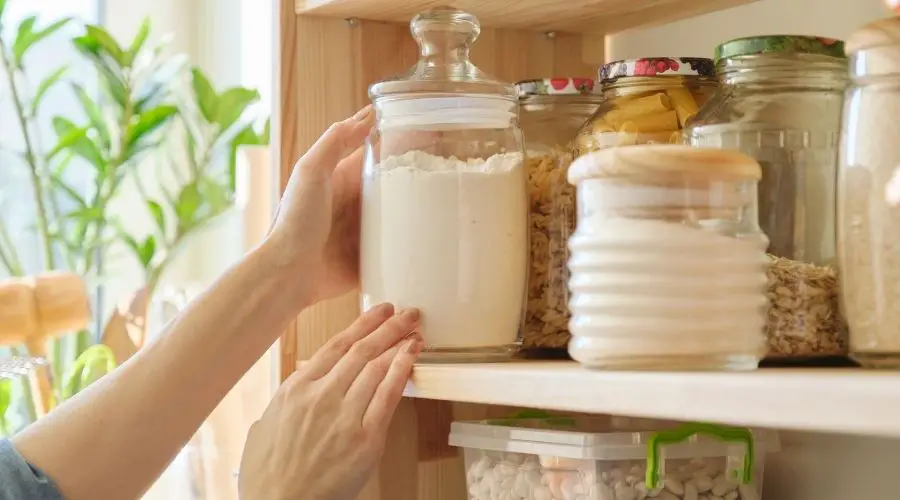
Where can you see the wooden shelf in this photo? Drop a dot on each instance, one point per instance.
(853, 401)
(597, 16)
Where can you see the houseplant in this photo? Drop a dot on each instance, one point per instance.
(151, 105)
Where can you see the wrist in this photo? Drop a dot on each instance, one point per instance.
(283, 272)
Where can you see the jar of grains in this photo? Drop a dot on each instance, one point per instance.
(551, 110)
(445, 198)
(668, 264)
(779, 102)
(647, 101)
(868, 201)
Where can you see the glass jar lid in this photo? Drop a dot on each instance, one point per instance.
(555, 86)
(780, 44)
(657, 66)
(444, 35)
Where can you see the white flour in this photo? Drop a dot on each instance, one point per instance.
(449, 237)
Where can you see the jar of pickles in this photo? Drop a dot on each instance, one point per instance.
(551, 111)
(668, 265)
(445, 198)
(647, 101)
(779, 101)
(869, 198)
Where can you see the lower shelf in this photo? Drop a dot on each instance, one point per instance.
(842, 400)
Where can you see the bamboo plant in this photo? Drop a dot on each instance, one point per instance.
(150, 106)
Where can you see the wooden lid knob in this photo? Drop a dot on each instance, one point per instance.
(44, 306)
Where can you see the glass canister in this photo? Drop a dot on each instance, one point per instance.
(780, 101)
(647, 101)
(445, 198)
(551, 111)
(668, 264)
(868, 211)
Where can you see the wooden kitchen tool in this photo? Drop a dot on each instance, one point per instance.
(33, 310)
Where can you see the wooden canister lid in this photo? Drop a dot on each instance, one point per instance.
(656, 164)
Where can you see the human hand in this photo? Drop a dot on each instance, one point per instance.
(317, 225)
(325, 430)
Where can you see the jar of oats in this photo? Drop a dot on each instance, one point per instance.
(551, 112)
(868, 216)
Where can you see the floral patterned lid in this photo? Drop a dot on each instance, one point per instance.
(780, 44)
(658, 66)
(555, 86)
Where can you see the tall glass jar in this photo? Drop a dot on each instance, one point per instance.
(647, 101)
(780, 102)
(868, 210)
(445, 198)
(551, 110)
(668, 265)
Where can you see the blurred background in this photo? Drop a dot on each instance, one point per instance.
(134, 152)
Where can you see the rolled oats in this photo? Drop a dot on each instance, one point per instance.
(804, 319)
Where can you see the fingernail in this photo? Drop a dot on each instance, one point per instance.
(411, 313)
(385, 309)
(413, 346)
(363, 113)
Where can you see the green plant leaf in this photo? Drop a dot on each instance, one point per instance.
(187, 205)
(146, 123)
(157, 86)
(46, 84)
(109, 68)
(66, 140)
(80, 144)
(232, 104)
(2, 8)
(147, 251)
(204, 95)
(135, 48)
(58, 183)
(27, 37)
(89, 214)
(93, 363)
(215, 196)
(92, 110)
(158, 214)
(6, 385)
(106, 42)
(246, 137)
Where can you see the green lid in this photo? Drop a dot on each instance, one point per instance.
(780, 44)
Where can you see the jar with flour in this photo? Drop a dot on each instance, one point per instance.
(868, 208)
(445, 198)
(668, 264)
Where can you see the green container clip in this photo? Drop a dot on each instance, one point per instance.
(734, 435)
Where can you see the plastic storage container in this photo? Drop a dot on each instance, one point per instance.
(445, 198)
(647, 101)
(588, 458)
(551, 111)
(668, 264)
(868, 215)
(779, 101)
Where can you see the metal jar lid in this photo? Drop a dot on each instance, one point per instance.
(555, 86)
(657, 66)
(780, 44)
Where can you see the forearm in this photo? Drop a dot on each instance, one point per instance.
(113, 439)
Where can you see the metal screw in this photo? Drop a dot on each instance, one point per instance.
(352, 21)
(550, 35)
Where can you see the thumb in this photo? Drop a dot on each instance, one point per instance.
(340, 139)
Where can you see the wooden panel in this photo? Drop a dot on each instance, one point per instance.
(324, 69)
(588, 16)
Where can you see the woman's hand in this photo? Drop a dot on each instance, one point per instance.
(317, 225)
(325, 430)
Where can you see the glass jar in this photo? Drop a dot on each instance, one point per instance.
(780, 103)
(647, 101)
(445, 198)
(668, 264)
(551, 110)
(868, 212)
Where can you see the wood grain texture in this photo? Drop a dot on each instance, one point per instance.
(581, 16)
(325, 68)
